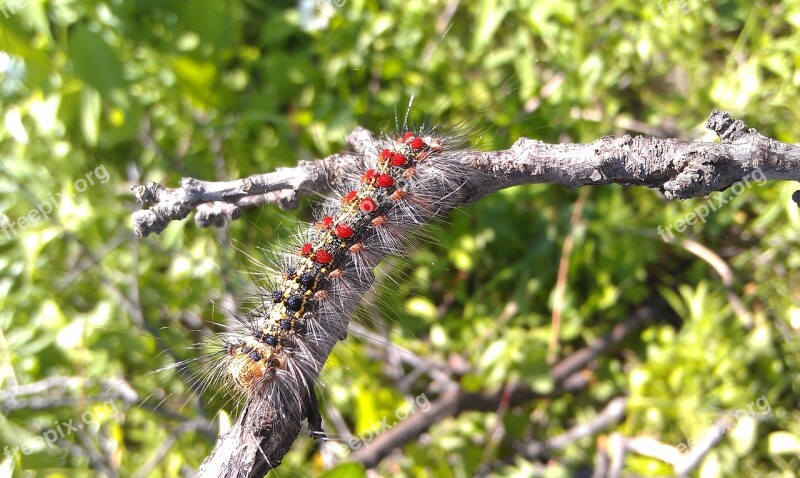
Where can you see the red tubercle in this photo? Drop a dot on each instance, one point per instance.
(385, 155)
(380, 221)
(398, 160)
(357, 247)
(325, 222)
(406, 137)
(343, 231)
(323, 256)
(417, 143)
(349, 197)
(306, 249)
(385, 181)
(368, 205)
(368, 176)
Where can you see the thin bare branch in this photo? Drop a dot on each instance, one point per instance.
(613, 412)
(682, 464)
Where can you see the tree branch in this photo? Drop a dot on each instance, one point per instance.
(682, 464)
(611, 414)
(678, 169)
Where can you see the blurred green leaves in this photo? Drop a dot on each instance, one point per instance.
(95, 62)
(157, 90)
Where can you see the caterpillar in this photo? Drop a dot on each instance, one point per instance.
(275, 351)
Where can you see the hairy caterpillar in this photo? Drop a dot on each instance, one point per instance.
(274, 352)
(276, 356)
(242, 355)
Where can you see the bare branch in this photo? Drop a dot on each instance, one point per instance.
(679, 169)
(282, 187)
(713, 436)
(682, 464)
(613, 412)
(63, 391)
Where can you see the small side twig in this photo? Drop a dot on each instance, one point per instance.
(682, 464)
(611, 414)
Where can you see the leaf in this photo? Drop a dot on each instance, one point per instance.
(422, 307)
(196, 77)
(15, 41)
(711, 467)
(95, 62)
(743, 436)
(90, 116)
(783, 443)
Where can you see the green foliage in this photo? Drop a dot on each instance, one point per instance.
(158, 90)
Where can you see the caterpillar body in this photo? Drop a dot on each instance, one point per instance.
(275, 352)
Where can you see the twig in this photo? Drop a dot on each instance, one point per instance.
(649, 446)
(682, 464)
(61, 391)
(725, 274)
(283, 187)
(613, 412)
(561, 281)
(713, 436)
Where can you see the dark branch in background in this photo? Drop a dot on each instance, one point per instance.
(678, 169)
(568, 376)
(61, 391)
(612, 414)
